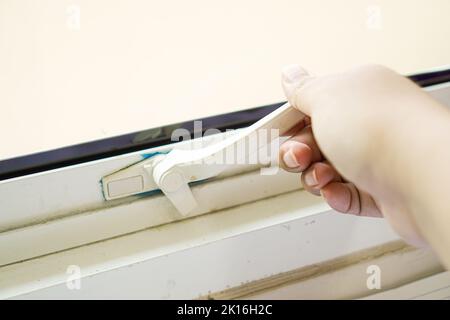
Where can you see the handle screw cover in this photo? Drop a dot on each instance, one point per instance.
(171, 181)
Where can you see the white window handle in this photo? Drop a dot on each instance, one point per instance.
(173, 172)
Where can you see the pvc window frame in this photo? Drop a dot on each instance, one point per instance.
(52, 201)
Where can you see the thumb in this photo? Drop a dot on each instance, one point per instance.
(293, 79)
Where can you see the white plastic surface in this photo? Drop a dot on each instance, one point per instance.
(177, 169)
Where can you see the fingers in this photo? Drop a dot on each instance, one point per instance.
(318, 175)
(346, 198)
(301, 153)
(293, 79)
(297, 153)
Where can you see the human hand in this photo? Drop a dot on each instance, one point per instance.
(343, 147)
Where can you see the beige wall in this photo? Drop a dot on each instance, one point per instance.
(132, 65)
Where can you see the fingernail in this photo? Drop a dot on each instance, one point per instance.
(293, 74)
(292, 77)
(311, 178)
(290, 160)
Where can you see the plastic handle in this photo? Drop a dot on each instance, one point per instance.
(180, 167)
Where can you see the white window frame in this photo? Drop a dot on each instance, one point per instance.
(39, 230)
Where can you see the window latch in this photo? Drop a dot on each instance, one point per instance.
(171, 173)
